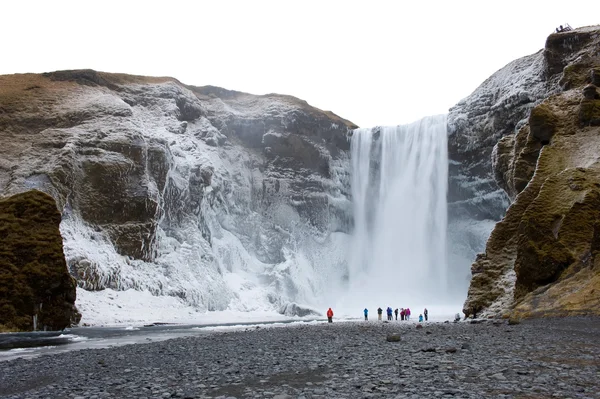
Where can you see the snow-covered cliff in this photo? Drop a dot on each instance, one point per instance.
(221, 199)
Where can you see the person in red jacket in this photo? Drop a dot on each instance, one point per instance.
(330, 315)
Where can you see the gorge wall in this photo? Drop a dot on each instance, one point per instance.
(541, 259)
(219, 198)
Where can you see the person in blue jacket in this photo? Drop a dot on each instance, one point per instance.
(420, 318)
(366, 311)
(389, 313)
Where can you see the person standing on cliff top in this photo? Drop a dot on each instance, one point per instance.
(330, 315)
(366, 311)
(379, 313)
(402, 314)
(396, 313)
(426, 314)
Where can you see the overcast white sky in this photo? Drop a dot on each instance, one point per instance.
(372, 62)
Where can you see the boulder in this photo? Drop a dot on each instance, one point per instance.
(293, 309)
(36, 290)
(394, 337)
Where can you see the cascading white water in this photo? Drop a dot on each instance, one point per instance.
(399, 183)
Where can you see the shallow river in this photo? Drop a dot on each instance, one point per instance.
(32, 344)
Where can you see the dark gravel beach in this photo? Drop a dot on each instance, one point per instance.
(534, 359)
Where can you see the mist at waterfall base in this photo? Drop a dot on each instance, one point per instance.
(398, 255)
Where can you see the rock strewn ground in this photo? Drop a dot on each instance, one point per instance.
(535, 359)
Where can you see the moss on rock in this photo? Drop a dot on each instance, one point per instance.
(34, 280)
(589, 113)
(543, 123)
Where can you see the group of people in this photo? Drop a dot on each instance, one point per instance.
(404, 314)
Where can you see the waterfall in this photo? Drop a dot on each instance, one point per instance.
(399, 182)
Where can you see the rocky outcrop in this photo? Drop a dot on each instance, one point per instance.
(541, 259)
(169, 188)
(36, 290)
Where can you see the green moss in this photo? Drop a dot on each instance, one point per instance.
(542, 123)
(34, 279)
(575, 75)
(589, 113)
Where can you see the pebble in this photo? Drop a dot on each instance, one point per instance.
(536, 358)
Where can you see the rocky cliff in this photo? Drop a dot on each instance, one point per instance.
(541, 259)
(36, 290)
(216, 197)
(476, 196)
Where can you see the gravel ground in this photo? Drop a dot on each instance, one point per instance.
(534, 359)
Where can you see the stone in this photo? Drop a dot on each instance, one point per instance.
(37, 291)
(590, 92)
(595, 76)
(394, 337)
(293, 309)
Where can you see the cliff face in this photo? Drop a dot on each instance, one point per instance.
(541, 259)
(34, 281)
(477, 198)
(173, 189)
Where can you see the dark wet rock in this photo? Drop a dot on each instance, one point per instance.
(513, 321)
(590, 92)
(293, 309)
(36, 289)
(395, 337)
